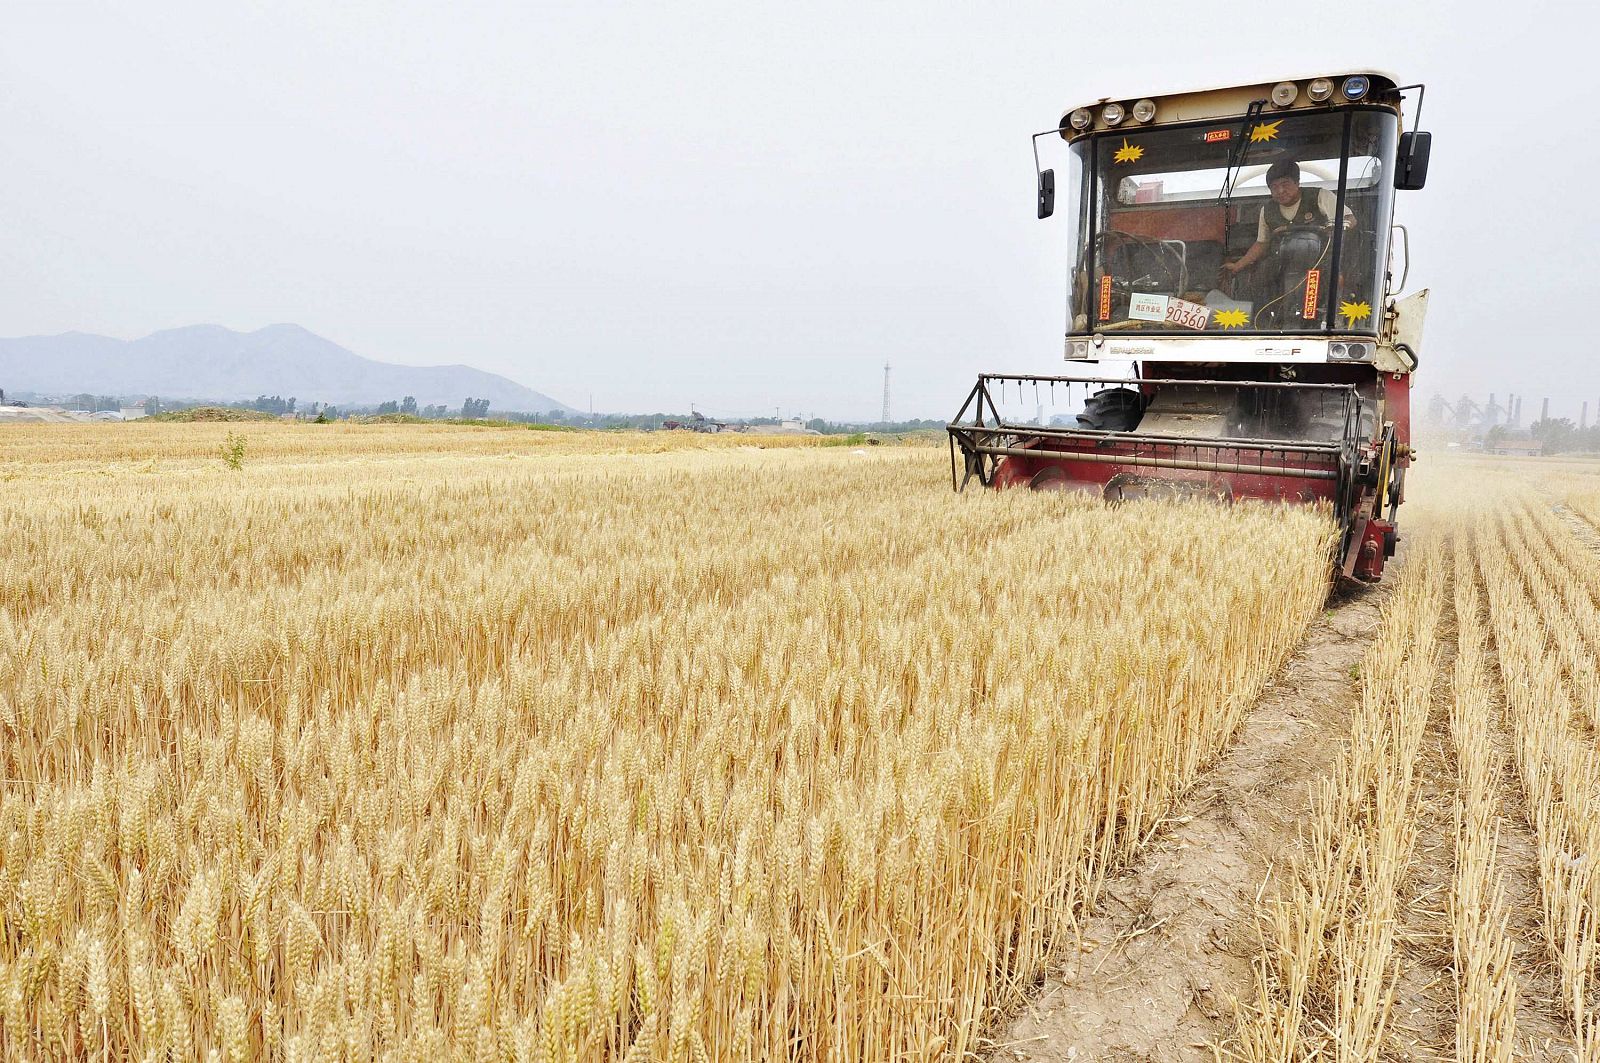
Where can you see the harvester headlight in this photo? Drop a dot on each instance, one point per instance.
(1356, 87)
(1360, 352)
(1113, 114)
(1082, 118)
(1319, 90)
(1284, 93)
(1144, 110)
(1077, 349)
(1337, 350)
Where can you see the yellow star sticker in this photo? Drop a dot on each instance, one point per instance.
(1354, 312)
(1128, 153)
(1231, 318)
(1265, 131)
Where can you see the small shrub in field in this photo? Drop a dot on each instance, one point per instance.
(233, 451)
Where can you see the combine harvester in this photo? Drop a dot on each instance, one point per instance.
(1234, 245)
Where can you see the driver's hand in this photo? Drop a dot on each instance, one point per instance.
(1230, 268)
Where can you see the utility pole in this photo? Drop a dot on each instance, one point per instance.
(886, 394)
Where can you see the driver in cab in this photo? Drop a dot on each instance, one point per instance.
(1288, 207)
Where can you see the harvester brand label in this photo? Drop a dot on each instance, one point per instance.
(1219, 134)
(1185, 314)
(1313, 289)
(1105, 298)
(1146, 307)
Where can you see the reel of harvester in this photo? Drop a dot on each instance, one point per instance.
(1298, 443)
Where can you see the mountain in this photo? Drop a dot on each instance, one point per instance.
(211, 362)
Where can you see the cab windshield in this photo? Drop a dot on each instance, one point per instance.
(1178, 230)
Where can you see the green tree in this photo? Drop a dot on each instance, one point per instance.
(1558, 434)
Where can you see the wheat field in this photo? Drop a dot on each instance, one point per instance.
(407, 743)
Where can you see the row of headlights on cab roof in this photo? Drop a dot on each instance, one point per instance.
(1284, 94)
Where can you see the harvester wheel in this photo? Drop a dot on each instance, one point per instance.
(1112, 410)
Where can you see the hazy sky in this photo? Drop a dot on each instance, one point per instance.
(741, 205)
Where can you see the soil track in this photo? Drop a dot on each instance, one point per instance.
(1423, 1023)
(1170, 950)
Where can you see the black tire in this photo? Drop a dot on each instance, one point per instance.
(1112, 410)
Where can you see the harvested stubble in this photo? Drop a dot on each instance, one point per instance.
(713, 754)
(1329, 970)
(1486, 984)
(1541, 588)
(1525, 602)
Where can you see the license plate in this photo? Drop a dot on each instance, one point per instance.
(1185, 314)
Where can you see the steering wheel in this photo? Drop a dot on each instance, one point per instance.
(1321, 232)
(1151, 278)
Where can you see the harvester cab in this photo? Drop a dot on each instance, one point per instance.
(1234, 246)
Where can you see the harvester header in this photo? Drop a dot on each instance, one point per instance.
(1234, 246)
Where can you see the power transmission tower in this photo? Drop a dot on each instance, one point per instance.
(886, 393)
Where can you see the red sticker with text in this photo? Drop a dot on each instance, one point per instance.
(1219, 134)
(1312, 290)
(1313, 286)
(1105, 298)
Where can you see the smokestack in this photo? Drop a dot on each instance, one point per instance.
(1516, 413)
(1544, 414)
(1511, 410)
(1583, 418)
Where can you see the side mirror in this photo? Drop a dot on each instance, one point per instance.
(1047, 193)
(1411, 169)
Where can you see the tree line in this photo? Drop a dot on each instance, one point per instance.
(1558, 434)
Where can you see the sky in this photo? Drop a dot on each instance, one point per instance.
(749, 207)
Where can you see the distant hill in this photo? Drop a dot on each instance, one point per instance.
(211, 362)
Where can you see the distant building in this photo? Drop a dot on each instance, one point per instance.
(1522, 448)
(132, 413)
(789, 426)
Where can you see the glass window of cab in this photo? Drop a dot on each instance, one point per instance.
(1178, 230)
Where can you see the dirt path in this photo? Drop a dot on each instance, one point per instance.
(1171, 948)
(1423, 1027)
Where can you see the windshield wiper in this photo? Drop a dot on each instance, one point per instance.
(1237, 153)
